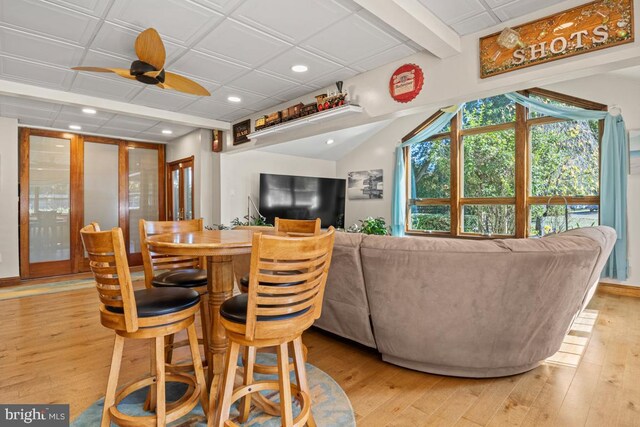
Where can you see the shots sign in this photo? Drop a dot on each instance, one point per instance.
(593, 26)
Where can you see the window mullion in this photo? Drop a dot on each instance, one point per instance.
(456, 143)
(522, 158)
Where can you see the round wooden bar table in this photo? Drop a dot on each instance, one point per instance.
(218, 246)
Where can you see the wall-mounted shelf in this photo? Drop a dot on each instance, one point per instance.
(318, 117)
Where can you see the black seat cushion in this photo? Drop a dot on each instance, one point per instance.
(185, 278)
(235, 310)
(161, 301)
(244, 280)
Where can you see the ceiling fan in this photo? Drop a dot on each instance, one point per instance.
(149, 67)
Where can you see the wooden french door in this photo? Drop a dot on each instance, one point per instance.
(68, 180)
(180, 189)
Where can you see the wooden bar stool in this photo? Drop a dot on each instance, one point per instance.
(143, 314)
(275, 312)
(293, 227)
(176, 271)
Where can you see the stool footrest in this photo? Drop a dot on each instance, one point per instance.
(175, 410)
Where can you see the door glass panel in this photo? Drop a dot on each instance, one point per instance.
(101, 184)
(143, 191)
(175, 186)
(49, 194)
(188, 197)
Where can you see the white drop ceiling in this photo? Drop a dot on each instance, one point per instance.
(243, 48)
(470, 16)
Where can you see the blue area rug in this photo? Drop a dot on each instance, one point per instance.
(330, 405)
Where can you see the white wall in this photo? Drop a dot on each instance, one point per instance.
(377, 153)
(9, 266)
(198, 145)
(240, 177)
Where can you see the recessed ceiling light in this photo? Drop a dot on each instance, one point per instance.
(167, 131)
(299, 68)
(330, 141)
(234, 99)
(89, 111)
(75, 127)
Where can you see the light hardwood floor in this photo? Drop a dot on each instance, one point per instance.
(54, 350)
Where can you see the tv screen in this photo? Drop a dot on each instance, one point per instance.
(302, 197)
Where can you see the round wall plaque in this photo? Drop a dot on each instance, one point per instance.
(406, 83)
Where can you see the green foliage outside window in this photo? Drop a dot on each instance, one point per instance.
(564, 160)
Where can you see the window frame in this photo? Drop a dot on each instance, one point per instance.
(523, 200)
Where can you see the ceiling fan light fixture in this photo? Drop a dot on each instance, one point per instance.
(299, 68)
(234, 99)
(167, 131)
(87, 110)
(75, 127)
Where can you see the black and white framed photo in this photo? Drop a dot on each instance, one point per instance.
(365, 184)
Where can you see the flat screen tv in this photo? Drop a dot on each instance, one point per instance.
(302, 197)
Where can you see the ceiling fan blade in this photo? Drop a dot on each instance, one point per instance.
(150, 49)
(183, 84)
(122, 72)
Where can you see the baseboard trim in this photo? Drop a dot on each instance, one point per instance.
(622, 290)
(9, 281)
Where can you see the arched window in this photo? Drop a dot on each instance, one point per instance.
(500, 170)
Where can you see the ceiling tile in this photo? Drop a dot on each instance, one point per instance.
(240, 43)
(265, 104)
(521, 7)
(110, 86)
(298, 92)
(383, 58)
(31, 72)
(350, 40)
(117, 132)
(208, 67)
(224, 92)
(163, 99)
(134, 124)
(178, 20)
(291, 20)
(93, 58)
(155, 137)
(75, 114)
(18, 107)
(178, 130)
(330, 79)
(454, 10)
(496, 3)
(48, 19)
(95, 8)
(318, 66)
(29, 103)
(262, 83)
(42, 49)
(476, 23)
(236, 115)
(61, 123)
(207, 108)
(223, 6)
(120, 41)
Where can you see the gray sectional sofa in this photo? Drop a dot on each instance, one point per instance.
(471, 308)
